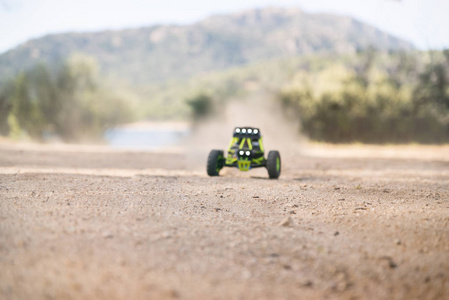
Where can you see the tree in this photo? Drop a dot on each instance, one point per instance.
(71, 102)
(201, 105)
(5, 107)
(25, 116)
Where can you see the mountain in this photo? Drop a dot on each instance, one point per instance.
(157, 53)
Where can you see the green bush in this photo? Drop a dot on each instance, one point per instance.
(70, 103)
(201, 106)
(398, 103)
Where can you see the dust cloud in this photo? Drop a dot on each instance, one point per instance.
(278, 131)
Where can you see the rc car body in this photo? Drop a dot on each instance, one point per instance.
(245, 152)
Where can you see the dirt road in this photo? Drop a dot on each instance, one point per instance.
(348, 222)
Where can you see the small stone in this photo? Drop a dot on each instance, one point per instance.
(307, 283)
(391, 263)
(286, 222)
(166, 235)
(108, 235)
(172, 293)
(336, 233)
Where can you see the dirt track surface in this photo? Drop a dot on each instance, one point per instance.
(341, 223)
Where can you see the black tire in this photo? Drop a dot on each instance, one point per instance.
(274, 164)
(215, 162)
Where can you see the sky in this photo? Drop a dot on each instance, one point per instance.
(423, 22)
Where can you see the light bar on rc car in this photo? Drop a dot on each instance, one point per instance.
(248, 132)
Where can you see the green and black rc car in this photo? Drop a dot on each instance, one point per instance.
(245, 152)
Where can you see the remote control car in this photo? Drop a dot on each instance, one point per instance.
(245, 152)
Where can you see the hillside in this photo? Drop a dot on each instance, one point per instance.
(157, 53)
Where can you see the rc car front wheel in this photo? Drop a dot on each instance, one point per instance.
(215, 162)
(274, 164)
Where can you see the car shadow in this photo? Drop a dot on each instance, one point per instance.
(307, 178)
(260, 177)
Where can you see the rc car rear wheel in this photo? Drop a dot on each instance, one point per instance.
(274, 164)
(215, 162)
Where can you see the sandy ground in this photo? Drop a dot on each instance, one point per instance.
(342, 222)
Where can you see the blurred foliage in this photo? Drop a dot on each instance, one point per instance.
(371, 97)
(201, 105)
(375, 98)
(70, 103)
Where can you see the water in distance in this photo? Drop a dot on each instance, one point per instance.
(145, 138)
